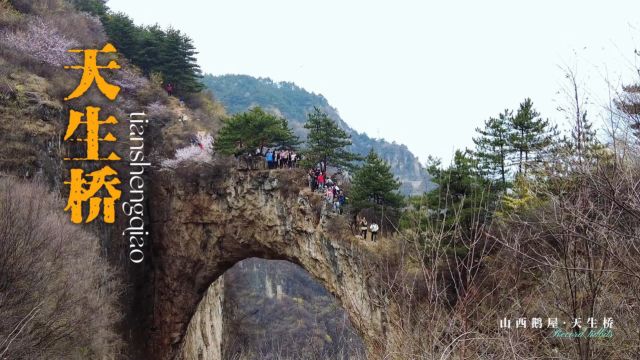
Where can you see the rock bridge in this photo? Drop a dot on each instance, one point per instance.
(206, 219)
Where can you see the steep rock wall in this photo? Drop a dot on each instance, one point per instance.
(203, 340)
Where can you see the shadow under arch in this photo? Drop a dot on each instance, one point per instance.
(207, 219)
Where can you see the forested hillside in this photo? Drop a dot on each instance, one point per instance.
(241, 92)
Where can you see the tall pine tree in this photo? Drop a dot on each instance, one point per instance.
(169, 52)
(530, 136)
(179, 64)
(327, 143)
(492, 148)
(374, 187)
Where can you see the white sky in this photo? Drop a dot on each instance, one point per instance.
(422, 73)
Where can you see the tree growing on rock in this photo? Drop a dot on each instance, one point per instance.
(327, 143)
(243, 134)
(374, 187)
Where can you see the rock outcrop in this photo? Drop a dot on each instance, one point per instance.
(203, 340)
(206, 219)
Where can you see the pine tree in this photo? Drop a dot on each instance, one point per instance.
(244, 133)
(520, 199)
(327, 143)
(629, 105)
(492, 147)
(463, 197)
(123, 34)
(374, 187)
(169, 53)
(93, 7)
(584, 143)
(530, 136)
(179, 64)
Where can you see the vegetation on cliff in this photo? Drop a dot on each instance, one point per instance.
(51, 306)
(80, 311)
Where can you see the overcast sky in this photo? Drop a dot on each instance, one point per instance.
(422, 73)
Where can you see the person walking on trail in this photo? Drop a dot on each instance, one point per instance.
(313, 183)
(329, 181)
(341, 201)
(169, 89)
(329, 195)
(374, 231)
(363, 227)
(294, 158)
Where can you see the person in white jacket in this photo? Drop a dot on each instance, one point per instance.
(374, 231)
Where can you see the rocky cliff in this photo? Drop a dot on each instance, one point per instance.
(203, 340)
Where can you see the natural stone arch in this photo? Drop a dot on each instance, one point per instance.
(206, 219)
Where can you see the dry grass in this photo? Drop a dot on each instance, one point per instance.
(9, 17)
(57, 296)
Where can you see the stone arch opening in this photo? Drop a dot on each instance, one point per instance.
(270, 309)
(212, 218)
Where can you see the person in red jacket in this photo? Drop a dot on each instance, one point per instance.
(169, 89)
(321, 179)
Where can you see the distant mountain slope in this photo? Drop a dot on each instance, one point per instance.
(240, 92)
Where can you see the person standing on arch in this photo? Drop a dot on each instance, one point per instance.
(374, 231)
(363, 227)
(321, 181)
(269, 159)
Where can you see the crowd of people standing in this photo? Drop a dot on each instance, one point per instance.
(281, 159)
(321, 182)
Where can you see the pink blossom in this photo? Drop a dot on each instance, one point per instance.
(200, 152)
(41, 41)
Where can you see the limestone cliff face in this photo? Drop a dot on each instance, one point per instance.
(206, 219)
(203, 340)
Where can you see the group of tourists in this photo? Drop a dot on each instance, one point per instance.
(281, 159)
(319, 181)
(362, 223)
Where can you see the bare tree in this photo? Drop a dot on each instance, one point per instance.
(57, 296)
